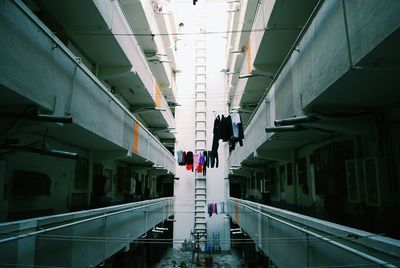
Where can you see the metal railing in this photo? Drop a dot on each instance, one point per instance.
(98, 233)
(311, 242)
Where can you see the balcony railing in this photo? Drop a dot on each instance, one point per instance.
(311, 242)
(79, 239)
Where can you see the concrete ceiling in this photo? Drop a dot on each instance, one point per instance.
(284, 25)
(140, 25)
(87, 29)
(373, 83)
(85, 26)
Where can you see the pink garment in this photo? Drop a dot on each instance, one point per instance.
(196, 160)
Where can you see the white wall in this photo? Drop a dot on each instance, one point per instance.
(217, 187)
(184, 187)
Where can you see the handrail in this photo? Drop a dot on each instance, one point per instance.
(83, 68)
(330, 241)
(283, 64)
(9, 239)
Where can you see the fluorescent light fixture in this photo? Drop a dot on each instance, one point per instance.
(239, 232)
(157, 231)
(155, 166)
(235, 167)
(170, 220)
(162, 228)
(235, 229)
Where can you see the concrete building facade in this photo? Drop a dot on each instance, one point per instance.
(97, 97)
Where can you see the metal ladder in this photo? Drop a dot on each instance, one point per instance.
(200, 191)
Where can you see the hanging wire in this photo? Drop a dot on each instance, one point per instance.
(171, 240)
(108, 33)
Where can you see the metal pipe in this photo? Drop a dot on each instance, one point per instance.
(295, 120)
(283, 64)
(328, 240)
(284, 129)
(43, 151)
(40, 117)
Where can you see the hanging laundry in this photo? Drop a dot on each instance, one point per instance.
(200, 168)
(217, 134)
(189, 160)
(183, 158)
(196, 158)
(179, 157)
(201, 159)
(237, 128)
(213, 158)
(205, 165)
(237, 131)
(226, 128)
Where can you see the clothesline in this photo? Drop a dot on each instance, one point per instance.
(197, 161)
(228, 129)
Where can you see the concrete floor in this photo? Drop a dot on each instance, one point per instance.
(174, 258)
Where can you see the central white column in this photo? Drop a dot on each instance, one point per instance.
(212, 16)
